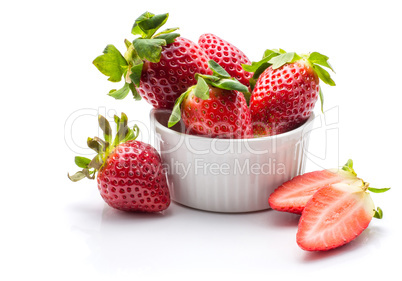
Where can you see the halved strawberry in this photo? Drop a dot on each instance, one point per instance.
(335, 215)
(293, 195)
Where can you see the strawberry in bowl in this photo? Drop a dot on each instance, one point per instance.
(215, 107)
(285, 90)
(213, 161)
(129, 173)
(228, 56)
(157, 66)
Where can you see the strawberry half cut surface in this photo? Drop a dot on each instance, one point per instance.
(293, 195)
(335, 215)
(130, 173)
(157, 66)
(216, 107)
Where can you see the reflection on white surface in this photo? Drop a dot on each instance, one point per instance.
(183, 240)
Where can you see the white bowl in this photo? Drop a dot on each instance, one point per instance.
(227, 175)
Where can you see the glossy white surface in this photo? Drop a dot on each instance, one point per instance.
(53, 229)
(228, 175)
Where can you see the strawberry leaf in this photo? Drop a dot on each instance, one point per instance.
(135, 75)
(82, 162)
(317, 58)
(121, 93)
(378, 190)
(257, 66)
(136, 29)
(349, 167)
(129, 136)
(175, 116)
(151, 25)
(127, 43)
(105, 126)
(201, 89)
(169, 37)
(77, 176)
(96, 162)
(378, 214)
(147, 24)
(94, 145)
(97, 144)
(122, 129)
(229, 84)
(111, 63)
(166, 31)
(218, 70)
(321, 99)
(149, 49)
(207, 77)
(278, 51)
(132, 134)
(323, 75)
(103, 148)
(117, 122)
(136, 95)
(283, 59)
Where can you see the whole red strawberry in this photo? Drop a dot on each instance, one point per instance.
(163, 82)
(215, 107)
(285, 93)
(130, 173)
(227, 56)
(156, 66)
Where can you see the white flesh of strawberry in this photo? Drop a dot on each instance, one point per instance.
(334, 216)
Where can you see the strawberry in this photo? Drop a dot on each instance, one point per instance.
(335, 215)
(130, 173)
(293, 195)
(285, 93)
(214, 107)
(227, 56)
(157, 67)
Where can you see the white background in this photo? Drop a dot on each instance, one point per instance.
(51, 94)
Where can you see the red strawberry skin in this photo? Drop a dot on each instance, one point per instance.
(227, 56)
(293, 195)
(283, 98)
(334, 216)
(162, 83)
(132, 179)
(224, 115)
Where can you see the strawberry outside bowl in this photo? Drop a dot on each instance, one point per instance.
(227, 175)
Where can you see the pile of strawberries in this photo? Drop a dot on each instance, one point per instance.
(218, 92)
(163, 68)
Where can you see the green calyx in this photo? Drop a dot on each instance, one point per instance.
(348, 167)
(278, 57)
(147, 47)
(378, 213)
(219, 79)
(104, 147)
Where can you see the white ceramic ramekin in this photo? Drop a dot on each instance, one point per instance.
(227, 175)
